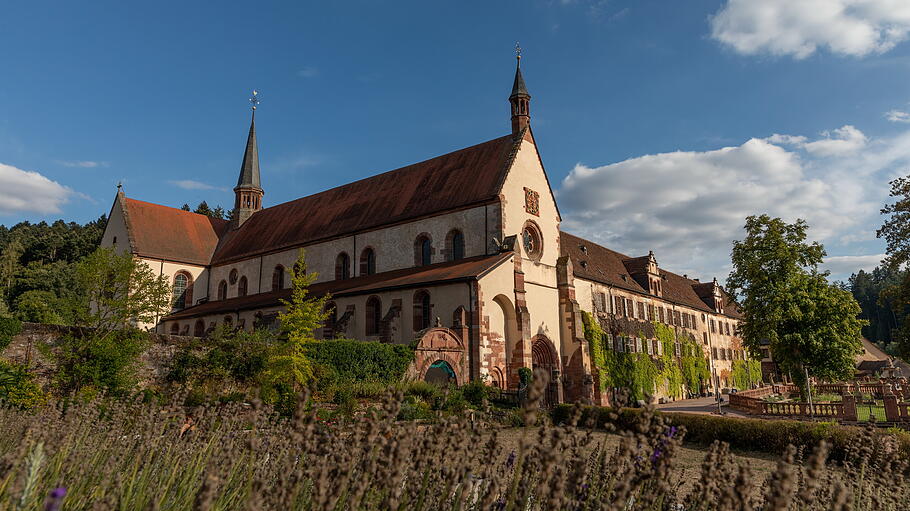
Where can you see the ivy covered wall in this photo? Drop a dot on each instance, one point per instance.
(641, 374)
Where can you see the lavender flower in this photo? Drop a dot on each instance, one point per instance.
(55, 499)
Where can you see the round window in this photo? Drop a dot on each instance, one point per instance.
(530, 240)
(233, 276)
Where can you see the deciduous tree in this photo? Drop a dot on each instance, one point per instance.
(808, 323)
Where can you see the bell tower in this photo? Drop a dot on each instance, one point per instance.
(248, 192)
(519, 99)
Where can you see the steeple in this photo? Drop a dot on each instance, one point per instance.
(519, 99)
(248, 192)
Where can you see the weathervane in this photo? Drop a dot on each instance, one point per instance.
(517, 50)
(254, 99)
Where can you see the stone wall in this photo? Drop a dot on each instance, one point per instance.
(30, 345)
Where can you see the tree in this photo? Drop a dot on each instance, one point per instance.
(896, 232)
(114, 291)
(808, 323)
(39, 307)
(204, 209)
(9, 265)
(299, 322)
(185, 207)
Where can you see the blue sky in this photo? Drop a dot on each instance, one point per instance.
(662, 124)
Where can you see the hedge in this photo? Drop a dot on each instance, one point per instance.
(345, 360)
(770, 436)
(9, 328)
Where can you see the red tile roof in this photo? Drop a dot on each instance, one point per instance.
(161, 232)
(470, 176)
(600, 264)
(440, 273)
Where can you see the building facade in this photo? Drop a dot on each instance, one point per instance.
(461, 255)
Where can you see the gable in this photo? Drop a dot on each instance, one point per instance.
(528, 197)
(464, 178)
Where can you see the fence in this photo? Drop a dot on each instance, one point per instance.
(890, 391)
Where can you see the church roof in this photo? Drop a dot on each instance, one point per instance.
(594, 262)
(413, 277)
(518, 86)
(249, 168)
(460, 179)
(161, 232)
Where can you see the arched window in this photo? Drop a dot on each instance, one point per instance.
(422, 311)
(179, 292)
(373, 315)
(241, 286)
(199, 328)
(175, 329)
(423, 250)
(455, 245)
(222, 290)
(278, 278)
(367, 261)
(342, 266)
(458, 246)
(328, 329)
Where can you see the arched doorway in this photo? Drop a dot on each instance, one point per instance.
(440, 373)
(544, 357)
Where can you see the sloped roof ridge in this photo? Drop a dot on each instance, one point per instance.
(387, 172)
(215, 219)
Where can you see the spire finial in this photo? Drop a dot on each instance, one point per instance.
(518, 52)
(254, 99)
(119, 185)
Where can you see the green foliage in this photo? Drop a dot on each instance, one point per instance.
(41, 257)
(18, 388)
(874, 292)
(299, 322)
(92, 362)
(808, 323)
(226, 362)
(38, 306)
(640, 374)
(9, 328)
(525, 375)
(346, 360)
(114, 289)
(476, 392)
(746, 373)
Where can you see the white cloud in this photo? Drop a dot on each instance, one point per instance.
(800, 27)
(87, 164)
(897, 116)
(842, 141)
(23, 191)
(689, 206)
(189, 184)
(308, 72)
(846, 265)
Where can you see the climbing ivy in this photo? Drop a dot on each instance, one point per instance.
(746, 373)
(642, 374)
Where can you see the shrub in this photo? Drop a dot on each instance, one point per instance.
(39, 306)
(476, 392)
(9, 328)
(18, 388)
(345, 360)
(106, 362)
(771, 436)
(414, 408)
(422, 389)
